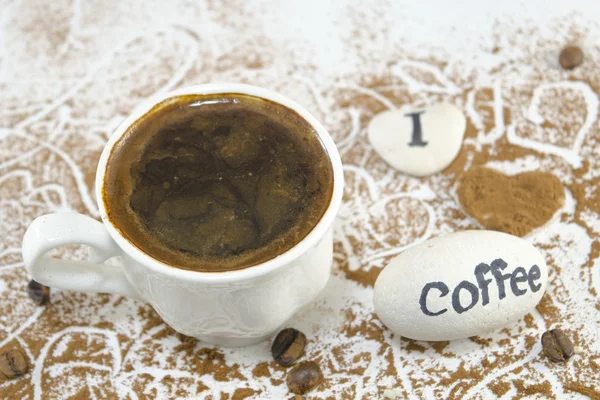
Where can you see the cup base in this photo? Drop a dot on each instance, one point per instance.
(232, 341)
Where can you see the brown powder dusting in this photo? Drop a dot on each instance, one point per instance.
(82, 394)
(462, 374)
(187, 345)
(427, 370)
(588, 391)
(211, 361)
(512, 204)
(276, 382)
(364, 278)
(140, 387)
(457, 390)
(499, 388)
(529, 321)
(261, 369)
(150, 317)
(244, 393)
(370, 329)
(413, 345)
(440, 347)
(547, 309)
(483, 342)
(523, 389)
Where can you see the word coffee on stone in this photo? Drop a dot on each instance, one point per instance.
(421, 142)
(496, 268)
(460, 285)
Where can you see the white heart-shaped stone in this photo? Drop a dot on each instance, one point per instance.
(460, 285)
(418, 143)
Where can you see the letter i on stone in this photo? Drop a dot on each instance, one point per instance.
(421, 142)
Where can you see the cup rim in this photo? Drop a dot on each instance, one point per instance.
(264, 268)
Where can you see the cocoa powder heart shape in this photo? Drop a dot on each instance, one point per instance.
(514, 204)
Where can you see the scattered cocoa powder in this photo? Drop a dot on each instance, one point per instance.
(523, 389)
(244, 393)
(261, 370)
(499, 388)
(462, 373)
(581, 182)
(187, 345)
(588, 391)
(512, 204)
(413, 345)
(484, 342)
(82, 394)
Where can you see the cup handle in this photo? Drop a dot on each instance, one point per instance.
(53, 230)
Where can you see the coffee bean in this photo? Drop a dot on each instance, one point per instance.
(39, 293)
(557, 346)
(570, 57)
(288, 346)
(13, 364)
(304, 377)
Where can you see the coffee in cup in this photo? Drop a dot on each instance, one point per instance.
(217, 182)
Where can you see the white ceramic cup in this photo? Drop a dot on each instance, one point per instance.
(232, 308)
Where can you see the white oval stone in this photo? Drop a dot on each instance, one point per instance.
(419, 143)
(460, 285)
